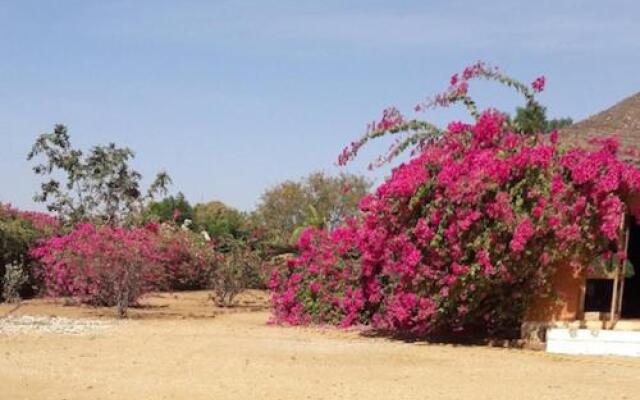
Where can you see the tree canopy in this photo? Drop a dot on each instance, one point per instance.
(219, 220)
(98, 185)
(171, 208)
(533, 119)
(319, 200)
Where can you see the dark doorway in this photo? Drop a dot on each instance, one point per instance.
(598, 295)
(631, 293)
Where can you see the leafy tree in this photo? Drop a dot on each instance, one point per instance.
(172, 208)
(558, 123)
(318, 200)
(97, 185)
(281, 210)
(219, 220)
(533, 119)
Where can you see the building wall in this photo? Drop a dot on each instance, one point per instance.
(569, 287)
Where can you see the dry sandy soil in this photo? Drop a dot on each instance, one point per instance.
(181, 347)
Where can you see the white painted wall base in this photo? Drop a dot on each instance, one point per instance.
(593, 342)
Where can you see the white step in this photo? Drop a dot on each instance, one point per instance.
(593, 342)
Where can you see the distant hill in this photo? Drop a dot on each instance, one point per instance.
(622, 120)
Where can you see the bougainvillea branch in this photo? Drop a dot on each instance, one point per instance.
(392, 122)
(419, 132)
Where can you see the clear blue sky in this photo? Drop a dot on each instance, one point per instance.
(231, 97)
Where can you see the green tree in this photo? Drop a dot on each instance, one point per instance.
(319, 200)
(172, 208)
(16, 237)
(533, 119)
(19, 232)
(219, 220)
(98, 185)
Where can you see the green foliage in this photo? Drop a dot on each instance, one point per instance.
(558, 123)
(219, 220)
(16, 237)
(318, 200)
(97, 185)
(19, 231)
(282, 210)
(533, 119)
(171, 208)
(314, 220)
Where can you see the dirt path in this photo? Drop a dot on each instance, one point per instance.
(237, 356)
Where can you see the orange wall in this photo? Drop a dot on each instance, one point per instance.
(566, 307)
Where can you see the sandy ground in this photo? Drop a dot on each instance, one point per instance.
(181, 347)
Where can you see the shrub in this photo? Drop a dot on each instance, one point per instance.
(321, 284)
(462, 236)
(114, 266)
(19, 231)
(188, 259)
(105, 265)
(14, 279)
(237, 270)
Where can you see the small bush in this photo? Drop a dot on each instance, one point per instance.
(236, 271)
(14, 279)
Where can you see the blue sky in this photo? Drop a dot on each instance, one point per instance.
(232, 97)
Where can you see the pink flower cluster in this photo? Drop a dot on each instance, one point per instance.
(321, 284)
(391, 119)
(463, 235)
(538, 84)
(459, 85)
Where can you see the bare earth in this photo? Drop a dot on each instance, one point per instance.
(181, 347)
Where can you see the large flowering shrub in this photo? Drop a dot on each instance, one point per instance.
(107, 265)
(462, 236)
(100, 265)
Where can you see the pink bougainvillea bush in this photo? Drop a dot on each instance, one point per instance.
(187, 259)
(100, 265)
(107, 265)
(462, 236)
(322, 284)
